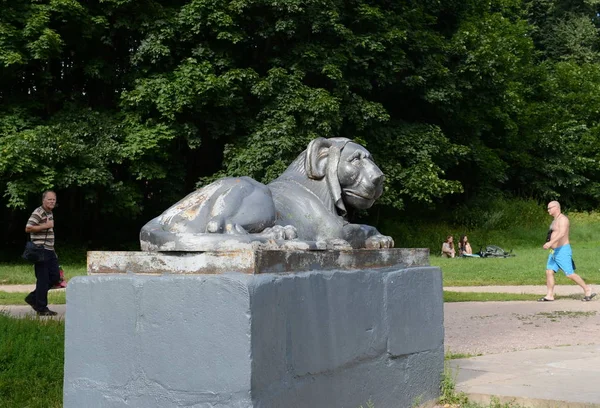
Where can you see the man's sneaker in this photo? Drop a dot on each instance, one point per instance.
(30, 302)
(46, 312)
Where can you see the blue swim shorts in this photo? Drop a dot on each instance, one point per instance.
(561, 258)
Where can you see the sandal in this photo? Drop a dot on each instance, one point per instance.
(588, 298)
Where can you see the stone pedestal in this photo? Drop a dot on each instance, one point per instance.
(345, 328)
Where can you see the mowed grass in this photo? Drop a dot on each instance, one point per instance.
(22, 274)
(525, 239)
(31, 362)
(526, 268)
(450, 296)
(55, 297)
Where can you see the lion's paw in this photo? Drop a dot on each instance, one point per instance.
(279, 232)
(295, 245)
(217, 225)
(379, 241)
(336, 243)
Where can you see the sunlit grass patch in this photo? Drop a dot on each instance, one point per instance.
(55, 297)
(454, 356)
(527, 268)
(23, 274)
(31, 362)
(486, 297)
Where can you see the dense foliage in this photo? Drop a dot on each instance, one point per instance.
(124, 106)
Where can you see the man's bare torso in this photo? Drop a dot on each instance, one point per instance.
(560, 231)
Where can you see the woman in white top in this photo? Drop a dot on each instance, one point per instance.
(448, 247)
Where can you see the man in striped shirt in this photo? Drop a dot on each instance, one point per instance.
(41, 228)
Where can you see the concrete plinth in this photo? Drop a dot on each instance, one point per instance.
(311, 338)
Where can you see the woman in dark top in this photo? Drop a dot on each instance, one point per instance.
(464, 248)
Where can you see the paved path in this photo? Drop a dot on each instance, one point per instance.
(26, 310)
(558, 377)
(23, 311)
(19, 288)
(536, 354)
(498, 327)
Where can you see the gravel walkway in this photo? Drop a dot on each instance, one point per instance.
(498, 327)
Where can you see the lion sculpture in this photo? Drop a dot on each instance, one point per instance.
(304, 208)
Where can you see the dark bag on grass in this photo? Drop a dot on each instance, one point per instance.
(33, 253)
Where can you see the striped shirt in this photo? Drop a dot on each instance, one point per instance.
(44, 237)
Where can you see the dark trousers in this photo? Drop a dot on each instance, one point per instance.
(46, 275)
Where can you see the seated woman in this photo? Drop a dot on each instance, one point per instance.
(448, 247)
(464, 248)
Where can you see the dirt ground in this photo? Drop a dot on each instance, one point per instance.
(476, 328)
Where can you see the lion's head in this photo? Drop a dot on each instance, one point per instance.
(351, 174)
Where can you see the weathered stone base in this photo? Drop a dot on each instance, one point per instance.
(305, 339)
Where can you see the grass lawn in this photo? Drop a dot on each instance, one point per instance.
(527, 268)
(21, 274)
(31, 362)
(55, 297)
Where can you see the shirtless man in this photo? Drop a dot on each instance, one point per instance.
(561, 255)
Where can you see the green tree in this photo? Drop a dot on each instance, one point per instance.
(125, 106)
(268, 76)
